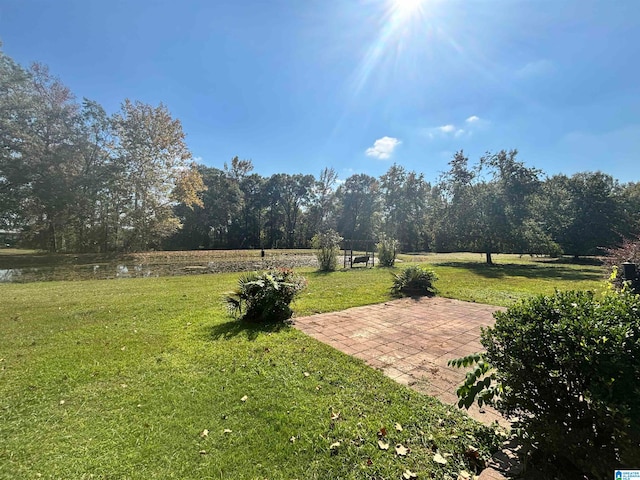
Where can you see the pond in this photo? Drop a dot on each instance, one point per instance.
(38, 268)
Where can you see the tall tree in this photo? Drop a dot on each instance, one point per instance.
(322, 204)
(583, 212)
(359, 208)
(152, 152)
(489, 205)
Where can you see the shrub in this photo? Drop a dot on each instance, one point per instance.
(265, 297)
(567, 369)
(387, 251)
(628, 252)
(328, 249)
(414, 281)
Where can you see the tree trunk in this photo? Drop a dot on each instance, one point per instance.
(489, 259)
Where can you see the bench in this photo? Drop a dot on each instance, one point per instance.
(363, 259)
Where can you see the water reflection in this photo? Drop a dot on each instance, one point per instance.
(9, 274)
(165, 267)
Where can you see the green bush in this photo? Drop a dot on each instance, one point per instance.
(629, 251)
(567, 368)
(387, 250)
(414, 281)
(327, 245)
(265, 297)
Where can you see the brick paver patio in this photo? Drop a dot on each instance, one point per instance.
(411, 340)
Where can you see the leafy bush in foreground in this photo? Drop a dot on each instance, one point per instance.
(414, 281)
(567, 369)
(265, 297)
(327, 245)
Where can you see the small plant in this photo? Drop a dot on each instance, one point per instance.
(328, 248)
(566, 369)
(265, 297)
(387, 251)
(414, 281)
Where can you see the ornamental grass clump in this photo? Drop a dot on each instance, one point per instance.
(265, 297)
(387, 251)
(327, 245)
(414, 281)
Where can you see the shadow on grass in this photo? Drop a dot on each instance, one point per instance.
(236, 328)
(538, 271)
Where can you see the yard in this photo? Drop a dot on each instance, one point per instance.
(150, 378)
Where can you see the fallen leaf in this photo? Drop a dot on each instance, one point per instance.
(398, 427)
(334, 446)
(203, 452)
(382, 445)
(306, 374)
(408, 474)
(244, 399)
(369, 462)
(226, 430)
(204, 433)
(61, 402)
(292, 439)
(335, 415)
(439, 459)
(317, 387)
(401, 450)
(382, 432)
(464, 475)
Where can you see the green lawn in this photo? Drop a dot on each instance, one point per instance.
(119, 379)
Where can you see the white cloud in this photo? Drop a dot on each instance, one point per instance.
(383, 148)
(472, 119)
(459, 132)
(447, 128)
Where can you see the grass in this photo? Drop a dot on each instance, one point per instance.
(118, 379)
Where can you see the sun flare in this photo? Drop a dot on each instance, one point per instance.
(407, 7)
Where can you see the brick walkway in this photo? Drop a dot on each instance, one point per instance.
(411, 340)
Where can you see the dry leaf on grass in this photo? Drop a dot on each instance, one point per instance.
(204, 433)
(226, 430)
(398, 427)
(439, 459)
(401, 450)
(382, 445)
(408, 474)
(244, 399)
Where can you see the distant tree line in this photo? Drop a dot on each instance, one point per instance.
(75, 179)
(497, 205)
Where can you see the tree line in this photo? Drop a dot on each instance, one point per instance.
(495, 205)
(75, 179)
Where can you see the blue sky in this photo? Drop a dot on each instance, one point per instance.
(298, 85)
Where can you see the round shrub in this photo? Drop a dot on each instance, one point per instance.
(265, 297)
(414, 281)
(569, 367)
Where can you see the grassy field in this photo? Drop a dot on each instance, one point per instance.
(145, 378)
